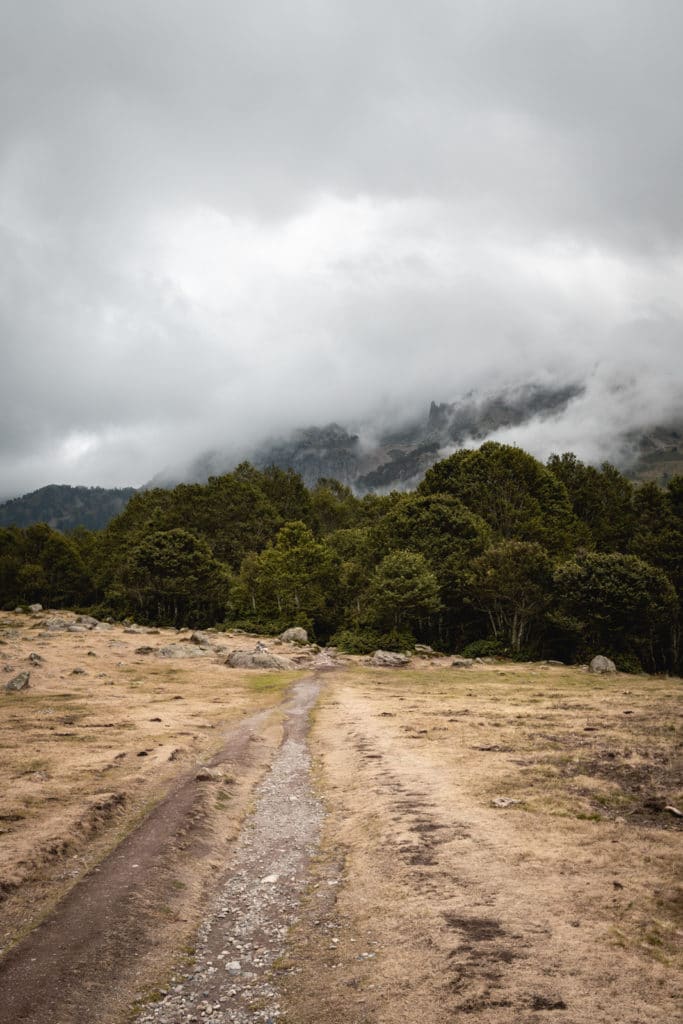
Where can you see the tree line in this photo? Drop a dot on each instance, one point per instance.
(494, 552)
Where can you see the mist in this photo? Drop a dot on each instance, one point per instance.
(220, 223)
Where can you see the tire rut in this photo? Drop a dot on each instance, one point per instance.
(75, 964)
(240, 942)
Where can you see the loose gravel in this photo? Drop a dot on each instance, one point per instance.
(232, 979)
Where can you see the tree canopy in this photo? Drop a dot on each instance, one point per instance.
(564, 560)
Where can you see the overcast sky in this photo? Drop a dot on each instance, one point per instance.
(221, 220)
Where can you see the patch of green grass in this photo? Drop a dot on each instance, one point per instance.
(270, 682)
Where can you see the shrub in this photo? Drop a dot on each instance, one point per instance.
(356, 641)
(628, 663)
(483, 649)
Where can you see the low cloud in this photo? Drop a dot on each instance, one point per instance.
(220, 224)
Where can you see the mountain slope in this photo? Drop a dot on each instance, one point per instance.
(64, 507)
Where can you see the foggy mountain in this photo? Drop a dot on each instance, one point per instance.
(394, 458)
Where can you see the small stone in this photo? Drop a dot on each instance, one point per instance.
(20, 682)
(269, 879)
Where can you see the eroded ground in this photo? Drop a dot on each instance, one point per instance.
(497, 845)
(565, 905)
(100, 754)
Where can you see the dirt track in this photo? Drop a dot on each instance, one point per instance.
(78, 963)
(426, 902)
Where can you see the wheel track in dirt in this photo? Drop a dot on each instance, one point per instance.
(258, 897)
(98, 940)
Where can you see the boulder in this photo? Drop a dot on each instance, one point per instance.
(389, 659)
(200, 640)
(460, 662)
(36, 659)
(600, 665)
(35, 608)
(424, 650)
(56, 625)
(259, 659)
(295, 635)
(20, 682)
(181, 651)
(87, 620)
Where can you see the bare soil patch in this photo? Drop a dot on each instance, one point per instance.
(565, 902)
(108, 837)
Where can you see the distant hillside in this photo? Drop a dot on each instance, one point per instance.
(64, 507)
(397, 460)
(659, 455)
(400, 457)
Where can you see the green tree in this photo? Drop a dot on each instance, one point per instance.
(512, 491)
(333, 507)
(171, 577)
(618, 604)
(403, 591)
(293, 580)
(602, 499)
(511, 584)
(437, 526)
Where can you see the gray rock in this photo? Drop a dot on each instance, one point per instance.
(601, 665)
(145, 649)
(87, 620)
(35, 607)
(181, 651)
(389, 659)
(20, 682)
(200, 640)
(424, 650)
(460, 662)
(75, 629)
(259, 659)
(36, 659)
(295, 635)
(206, 774)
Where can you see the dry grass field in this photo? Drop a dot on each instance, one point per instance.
(433, 903)
(497, 846)
(100, 738)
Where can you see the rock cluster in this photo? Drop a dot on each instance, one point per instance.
(389, 659)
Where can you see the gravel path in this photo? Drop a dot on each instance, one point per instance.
(232, 977)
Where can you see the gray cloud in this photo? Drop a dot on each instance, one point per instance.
(218, 221)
